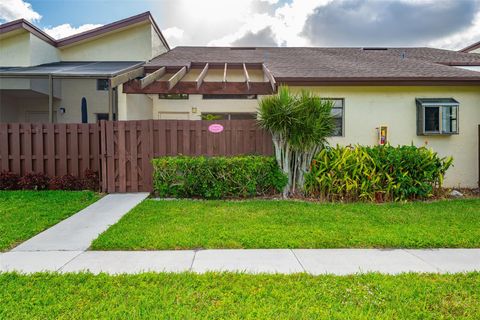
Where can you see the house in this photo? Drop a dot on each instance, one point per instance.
(423, 96)
(44, 80)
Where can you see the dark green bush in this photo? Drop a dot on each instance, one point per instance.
(380, 173)
(217, 177)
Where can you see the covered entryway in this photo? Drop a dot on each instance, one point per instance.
(54, 92)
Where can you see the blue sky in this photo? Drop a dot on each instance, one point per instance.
(451, 24)
(76, 13)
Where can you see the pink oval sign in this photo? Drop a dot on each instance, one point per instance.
(215, 128)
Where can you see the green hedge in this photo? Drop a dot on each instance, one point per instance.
(217, 177)
(380, 173)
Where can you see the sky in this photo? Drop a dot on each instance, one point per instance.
(449, 24)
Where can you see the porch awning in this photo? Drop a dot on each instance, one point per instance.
(92, 69)
(437, 102)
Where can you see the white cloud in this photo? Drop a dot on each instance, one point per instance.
(462, 39)
(286, 24)
(65, 30)
(174, 36)
(17, 9)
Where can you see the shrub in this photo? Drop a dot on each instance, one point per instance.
(34, 181)
(217, 177)
(91, 180)
(66, 182)
(9, 181)
(380, 173)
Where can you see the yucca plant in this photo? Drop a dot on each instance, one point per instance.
(300, 125)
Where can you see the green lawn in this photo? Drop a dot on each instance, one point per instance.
(185, 224)
(23, 214)
(239, 296)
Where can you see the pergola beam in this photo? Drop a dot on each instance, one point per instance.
(201, 76)
(269, 76)
(247, 77)
(176, 78)
(152, 77)
(127, 76)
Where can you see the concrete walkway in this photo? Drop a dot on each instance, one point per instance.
(77, 232)
(324, 261)
(62, 248)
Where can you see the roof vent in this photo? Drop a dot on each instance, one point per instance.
(243, 48)
(375, 49)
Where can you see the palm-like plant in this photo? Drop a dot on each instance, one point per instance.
(300, 125)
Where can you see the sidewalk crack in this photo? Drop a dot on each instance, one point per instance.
(193, 260)
(298, 260)
(426, 262)
(63, 266)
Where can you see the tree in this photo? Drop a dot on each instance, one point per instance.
(300, 125)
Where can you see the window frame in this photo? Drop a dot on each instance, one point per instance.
(102, 81)
(343, 116)
(173, 96)
(421, 116)
(229, 97)
(229, 114)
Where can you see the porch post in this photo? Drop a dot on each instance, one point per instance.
(50, 98)
(110, 100)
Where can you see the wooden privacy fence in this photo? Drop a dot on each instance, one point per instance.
(122, 151)
(53, 149)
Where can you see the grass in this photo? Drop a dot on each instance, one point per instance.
(23, 214)
(185, 224)
(239, 296)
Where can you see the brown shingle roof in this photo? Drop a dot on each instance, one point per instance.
(330, 64)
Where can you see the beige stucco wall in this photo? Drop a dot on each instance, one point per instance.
(42, 52)
(15, 51)
(366, 108)
(131, 44)
(157, 45)
(24, 49)
(161, 106)
(134, 106)
(25, 109)
(72, 92)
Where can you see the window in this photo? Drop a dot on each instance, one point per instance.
(102, 116)
(229, 116)
(102, 84)
(173, 96)
(437, 116)
(337, 113)
(230, 96)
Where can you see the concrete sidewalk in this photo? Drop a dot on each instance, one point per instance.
(78, 231)
(62, 248)
(313, 261)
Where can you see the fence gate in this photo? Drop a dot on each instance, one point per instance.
(127, 147)
(125, 156)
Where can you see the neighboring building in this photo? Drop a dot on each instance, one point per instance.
(422, 95)
(43, 79)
